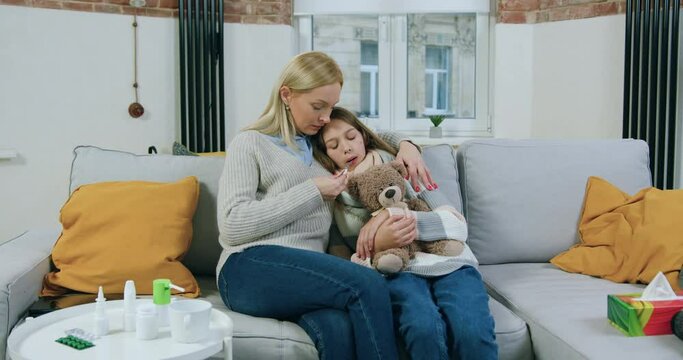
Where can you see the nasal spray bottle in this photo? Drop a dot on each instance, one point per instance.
(129, 306)
(101, 320)
(161, 291)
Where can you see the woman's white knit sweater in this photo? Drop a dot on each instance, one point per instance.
(266, 196)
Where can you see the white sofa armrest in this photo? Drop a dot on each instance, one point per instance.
(24, 261)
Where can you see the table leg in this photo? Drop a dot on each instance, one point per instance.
(227, 348)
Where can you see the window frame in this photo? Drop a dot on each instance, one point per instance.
(393, 55)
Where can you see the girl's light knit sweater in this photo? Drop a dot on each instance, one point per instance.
(350, 215)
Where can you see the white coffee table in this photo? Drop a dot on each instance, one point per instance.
(35, 339)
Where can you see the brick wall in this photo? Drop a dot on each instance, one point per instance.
(280, 11)
(539, 11)
(258, 11)
(240, 11)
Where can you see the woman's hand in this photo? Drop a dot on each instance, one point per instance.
(417, 169)
(331, 186)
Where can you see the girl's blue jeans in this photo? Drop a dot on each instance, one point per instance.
(344, 308)
(446, 315)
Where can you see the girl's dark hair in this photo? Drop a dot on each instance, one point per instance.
(370, 139)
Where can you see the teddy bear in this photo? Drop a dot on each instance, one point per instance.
(383, 186)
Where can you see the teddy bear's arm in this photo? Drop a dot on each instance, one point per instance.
(416, 204)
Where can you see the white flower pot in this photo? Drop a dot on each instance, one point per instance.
(435, 132)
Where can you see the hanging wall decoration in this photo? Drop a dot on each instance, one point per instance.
(136, 109)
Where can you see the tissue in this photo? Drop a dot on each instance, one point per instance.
(659, 289)
(647, 313)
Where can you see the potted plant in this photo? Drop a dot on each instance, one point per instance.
(435, 131)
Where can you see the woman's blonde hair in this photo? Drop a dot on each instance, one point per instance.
(370, 139)
(302, 74)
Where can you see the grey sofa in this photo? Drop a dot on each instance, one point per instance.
(522, 200)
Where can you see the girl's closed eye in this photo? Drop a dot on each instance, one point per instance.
(351, 134)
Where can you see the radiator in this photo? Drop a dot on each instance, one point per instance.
(651, 82)
(202, 103)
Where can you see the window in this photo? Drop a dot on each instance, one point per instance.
(369, 70)
(402, 65)
(437, 73)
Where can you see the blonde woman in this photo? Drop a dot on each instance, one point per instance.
(274, 215)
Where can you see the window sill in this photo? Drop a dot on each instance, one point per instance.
(450, 140)
(6, 154)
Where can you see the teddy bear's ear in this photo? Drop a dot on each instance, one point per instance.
(352, 186)
(398, 165)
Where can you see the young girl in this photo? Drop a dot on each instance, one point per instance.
(440, 303)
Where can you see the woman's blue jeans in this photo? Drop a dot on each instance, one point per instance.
(438, 316)
(344, 308)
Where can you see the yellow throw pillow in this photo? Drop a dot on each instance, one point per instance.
(217, 153)
(627, 238)
(124, 230)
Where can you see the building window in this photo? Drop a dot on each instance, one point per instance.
(436, 84)
(369, 76)
(402, 65)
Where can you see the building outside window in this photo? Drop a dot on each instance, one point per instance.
(369, 71)
(437, 74)
(401, 65)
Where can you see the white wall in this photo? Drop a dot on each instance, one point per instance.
(559, 79)
(578, 78)
(65, 80)
(513, 81)
(254, 57)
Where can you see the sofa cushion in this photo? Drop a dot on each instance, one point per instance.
(180, 149)
(441, 162)
(512, 334)
(145, 225)
(522, 198)
(25, 260)
(567, 313)
(92, 164)
(261, 338)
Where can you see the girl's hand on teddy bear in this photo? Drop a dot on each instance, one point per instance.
(397, 231)
(331, 186)
(385, 231)
(365, 243)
